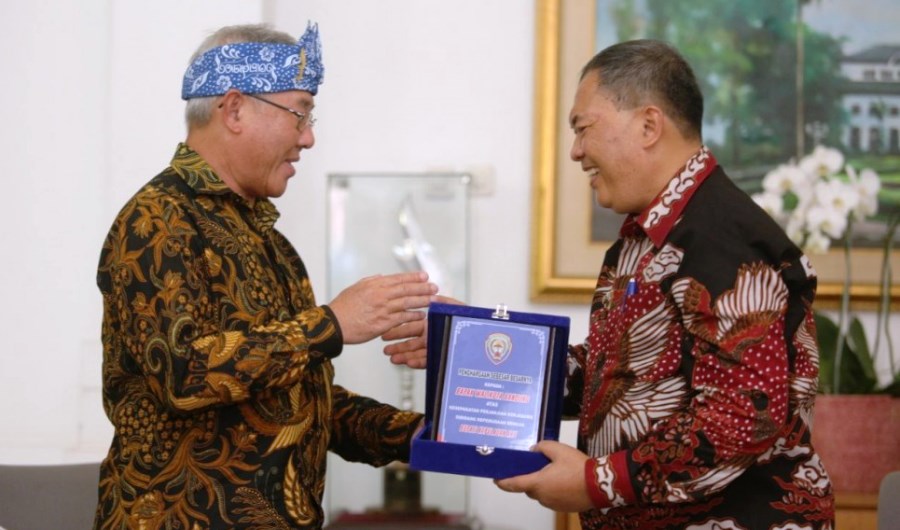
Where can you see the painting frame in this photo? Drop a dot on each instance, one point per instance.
(550, 238)
(561, 241)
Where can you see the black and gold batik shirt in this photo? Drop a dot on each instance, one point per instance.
(217, 372)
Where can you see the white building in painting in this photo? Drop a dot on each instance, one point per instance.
(872, 100)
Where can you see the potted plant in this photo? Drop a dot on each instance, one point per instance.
(856, 423)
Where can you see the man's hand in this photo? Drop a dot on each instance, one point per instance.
(413, 351)
(560, 484)
(373, 305)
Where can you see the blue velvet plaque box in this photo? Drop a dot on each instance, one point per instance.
(494, 387)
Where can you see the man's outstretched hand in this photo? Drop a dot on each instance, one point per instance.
(374, 305)
(412, 350)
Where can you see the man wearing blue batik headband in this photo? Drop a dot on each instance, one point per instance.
(217, 371)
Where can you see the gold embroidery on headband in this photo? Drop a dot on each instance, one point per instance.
(302, 66)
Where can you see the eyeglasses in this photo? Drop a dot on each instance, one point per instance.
(304, 120)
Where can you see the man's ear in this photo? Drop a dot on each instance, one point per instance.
(653, 122)
(231, 107)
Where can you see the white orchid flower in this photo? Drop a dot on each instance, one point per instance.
(772, 203)
(795, 228)
(817, 243)
(805, 192)
(784, 178)
(823, 161)
(813, 201)
(867, 184)
(828, 220)
(869, 181)
(836, 195)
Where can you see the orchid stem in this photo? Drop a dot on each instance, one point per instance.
(845, 308)
(884, 302)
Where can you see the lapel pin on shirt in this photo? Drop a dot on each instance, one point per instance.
(630, 290)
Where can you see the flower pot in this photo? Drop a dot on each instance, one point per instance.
(858, 439)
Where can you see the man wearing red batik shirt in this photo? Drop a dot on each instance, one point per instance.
(695, 385)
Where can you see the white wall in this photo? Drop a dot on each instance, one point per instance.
(52, 136)
(91, 110)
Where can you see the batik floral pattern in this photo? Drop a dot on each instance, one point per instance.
(216, 367)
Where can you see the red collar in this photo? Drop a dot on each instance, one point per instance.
(661, 215)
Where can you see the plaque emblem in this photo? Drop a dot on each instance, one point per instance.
(497, 347)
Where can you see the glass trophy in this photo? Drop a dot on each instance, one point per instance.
(382, 224)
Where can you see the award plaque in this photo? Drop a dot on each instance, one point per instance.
(494, 389)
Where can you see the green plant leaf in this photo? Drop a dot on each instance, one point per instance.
(790, 200)
(857, 372)
(859, 346)
(826, 335)
(893, 388)
(857, 369)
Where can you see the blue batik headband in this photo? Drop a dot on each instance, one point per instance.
(257, 67)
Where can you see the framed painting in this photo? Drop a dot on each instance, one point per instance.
(755, 117)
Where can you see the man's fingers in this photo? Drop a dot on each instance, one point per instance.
(409, 277)
(413, 302)
(404, 298)
(550, 448)
(413, 344)
(406, 331)
(404, 317)
(411, 360)
(446, 300)
(389, 321)
(516, 484)
(417, 363)
(376, 304)
(398, 279)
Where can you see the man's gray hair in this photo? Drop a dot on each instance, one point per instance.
(643, 71)
(198, 111)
